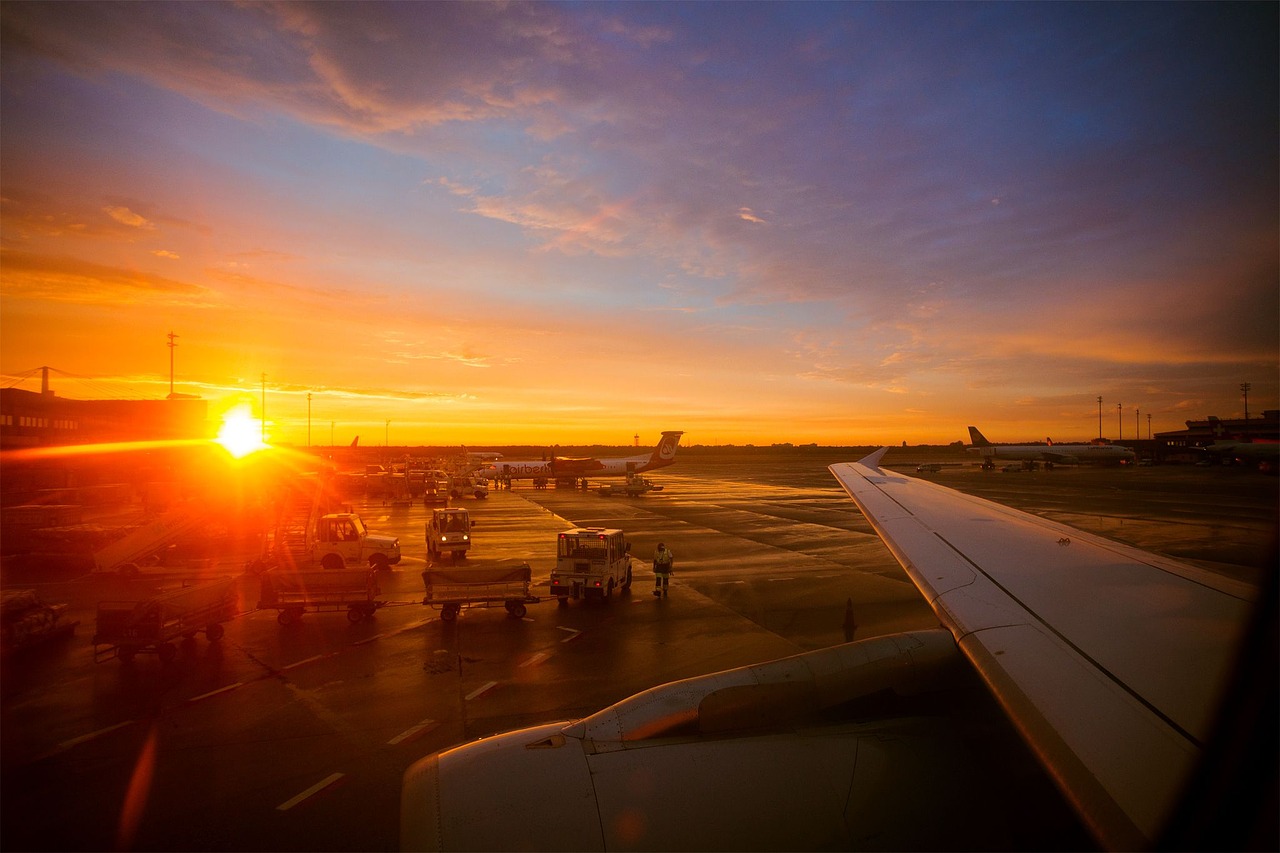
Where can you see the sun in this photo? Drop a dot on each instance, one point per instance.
(241, 432)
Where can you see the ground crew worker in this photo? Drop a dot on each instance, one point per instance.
(663, 560)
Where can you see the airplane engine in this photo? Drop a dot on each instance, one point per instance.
(757, 758)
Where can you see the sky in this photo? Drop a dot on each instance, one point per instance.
(577, 223)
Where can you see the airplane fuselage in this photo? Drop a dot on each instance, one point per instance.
(1074, 454)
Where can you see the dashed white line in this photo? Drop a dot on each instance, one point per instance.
(484, 688)
(412, 732)
(229, 687)
(774, 580)
(536, 659)
(76, 741)
(305, 661)
(310, 792)
(574, 633)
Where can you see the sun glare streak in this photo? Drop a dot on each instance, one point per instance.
(241, 433)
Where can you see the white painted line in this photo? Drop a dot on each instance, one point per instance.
(310, 792)
(536, 659)
(76, 741)
(303, 662)
(484, 688)
(412, 732)
(370, 639)
(772, 580)
(574, 634)
(725, 583)
(215, 692)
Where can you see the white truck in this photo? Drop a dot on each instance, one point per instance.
(466, 484)
(448, 532)
(342, 540)
(591, 562)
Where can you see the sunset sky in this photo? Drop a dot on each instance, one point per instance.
(544, 223)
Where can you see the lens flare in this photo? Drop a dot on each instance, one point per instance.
(241, 432)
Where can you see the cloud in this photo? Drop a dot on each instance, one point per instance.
(66, 279)
(125, 216)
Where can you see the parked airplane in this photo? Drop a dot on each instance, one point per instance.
(1264, 454)
(1048, 453)
(553, 467)
(1108, 660)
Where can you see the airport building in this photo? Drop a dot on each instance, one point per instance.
(30, 419)
(1205, 432)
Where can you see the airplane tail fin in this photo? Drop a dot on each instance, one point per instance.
(977, 439)
(355, 441)
(665, 452)
(1048, 441)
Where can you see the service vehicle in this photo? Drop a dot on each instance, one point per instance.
(337, 541)
(633, 487)
(462, 485)
(448, 531)
(591, 562)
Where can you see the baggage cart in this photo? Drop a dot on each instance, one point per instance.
(128, 627)
(27, 621)
(293, 593)
(450, 588)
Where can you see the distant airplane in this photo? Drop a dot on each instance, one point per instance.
(554, 467)
(1109, 661)
(355, 441)
(1048, 453)
(1265, 454)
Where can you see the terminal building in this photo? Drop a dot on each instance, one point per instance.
(30, 419)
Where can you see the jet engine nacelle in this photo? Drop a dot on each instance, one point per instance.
(732, 760)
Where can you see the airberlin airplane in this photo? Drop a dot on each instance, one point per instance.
(587, 466)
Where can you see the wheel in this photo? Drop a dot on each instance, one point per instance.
(379, 562)
(563, 600)
(129, 570)
(286, 617)
(516, 609)
(168, 652)
(626, 584)
(355, 614)
(449, 613)
(332, 562)
(126, 653)
(608, 590)
(214, 632)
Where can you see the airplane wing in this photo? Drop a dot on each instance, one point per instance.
(1108, 659)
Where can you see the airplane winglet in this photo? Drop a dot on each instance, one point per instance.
(872, 460)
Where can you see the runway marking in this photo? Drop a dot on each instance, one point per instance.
(725, 583)
(536, 659)
(76, 741)
(772, 580)
(481, 690)
(226, 689)
(420, 728)
(306, 661)
(573, 632)
(371, 639)
(310, 792)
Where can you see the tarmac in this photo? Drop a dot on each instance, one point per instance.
(295, 738)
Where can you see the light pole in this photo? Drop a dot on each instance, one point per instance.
(1120, 421)
(1148, 426)
(386, 438)
(1245, 386)
(1137, 424)
(173, 337)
